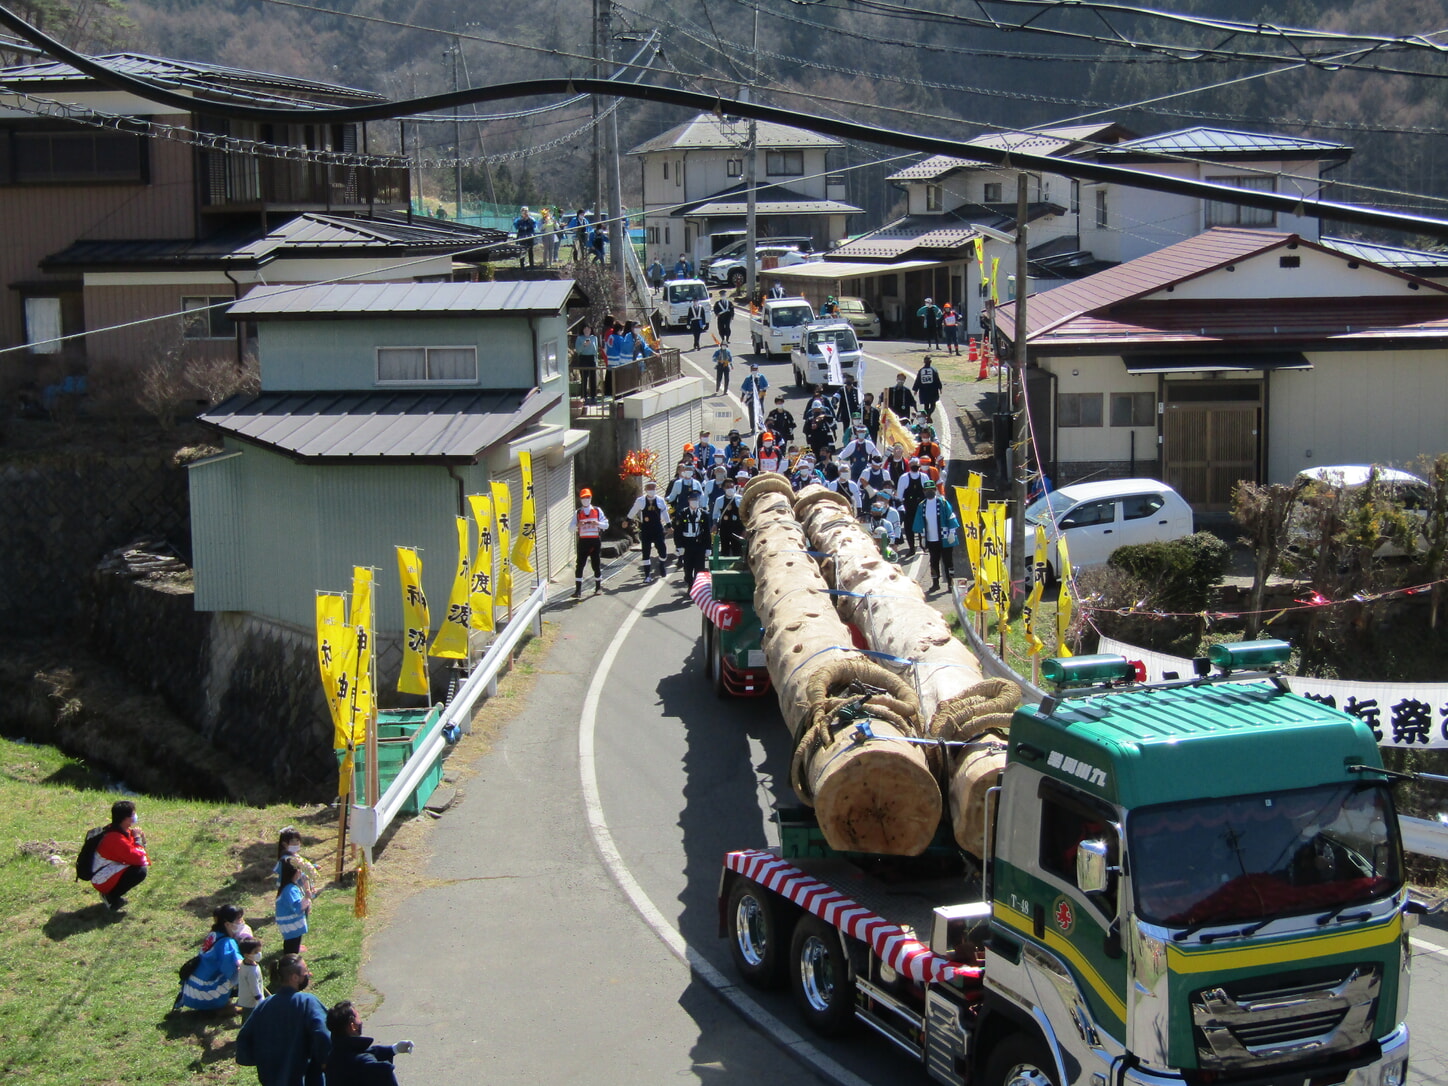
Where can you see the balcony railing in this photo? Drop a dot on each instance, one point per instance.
(232, 181)
(619, 381)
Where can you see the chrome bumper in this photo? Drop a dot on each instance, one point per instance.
(1394, 1051)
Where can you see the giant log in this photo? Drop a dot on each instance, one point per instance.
(957, 702)
(846, 714)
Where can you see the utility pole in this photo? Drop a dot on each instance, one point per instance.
(751, 160)
(457, 131)
(1020, 431)
(598, 179)
(617, 231)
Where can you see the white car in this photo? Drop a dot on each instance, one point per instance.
(808, 359)
(734, 272)
(1402, 487)
(679, 294)
(1096, 518)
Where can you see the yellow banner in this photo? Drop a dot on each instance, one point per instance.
(995, 277)
(993, 557)
(480, 593)
(416, 625)
(503, 516)
(893, 432)
(360, 619)
(1065, 602)
(1038, 585)
(333, 636)
(980, 258)
(452, 633)
(528, 528)
(968, 498)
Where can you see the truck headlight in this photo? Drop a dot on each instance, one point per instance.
(1394, 1073)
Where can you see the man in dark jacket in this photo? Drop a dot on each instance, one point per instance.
(928, 386)
(286, 1037)
(355, 1060)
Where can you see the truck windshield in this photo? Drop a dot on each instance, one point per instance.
(687, 292)
(1225, 861)
(792, 316)
(842, 338)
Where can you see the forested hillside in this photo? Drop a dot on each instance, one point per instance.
(892, 64)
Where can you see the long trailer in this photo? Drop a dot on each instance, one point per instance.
(1197, 882)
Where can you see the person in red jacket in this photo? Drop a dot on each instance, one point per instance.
(120, 861)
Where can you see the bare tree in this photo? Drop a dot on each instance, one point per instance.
(1264, 512)
(1434, 542)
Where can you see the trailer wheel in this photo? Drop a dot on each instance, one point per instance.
(754, 935)
(1020, 1060)
(820, 975)
(716, 665)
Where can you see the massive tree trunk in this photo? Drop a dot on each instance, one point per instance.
(870, 792)
(957, 702)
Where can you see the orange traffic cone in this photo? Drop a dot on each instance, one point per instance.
(984, 360)
(973, 349)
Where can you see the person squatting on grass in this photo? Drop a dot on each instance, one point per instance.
(121, 862)
(209, 986)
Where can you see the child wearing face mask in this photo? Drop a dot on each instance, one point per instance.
(289, 843)
(208, 979)
(292, 907)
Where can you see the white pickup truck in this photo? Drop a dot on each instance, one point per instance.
(778, 327)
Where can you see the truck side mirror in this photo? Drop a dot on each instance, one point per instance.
(1091, 867)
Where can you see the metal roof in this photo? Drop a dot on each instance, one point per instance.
(453, 426)
(207, 80)
(951, 230)
(1045, 141)
(771, 207)
(1389, 256)
(706, 131)
(1226, 142)
(546, 296)
(842, 269)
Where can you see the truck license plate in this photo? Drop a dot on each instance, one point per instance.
(756, 658)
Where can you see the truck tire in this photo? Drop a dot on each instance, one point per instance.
(1020, 1060)
(716, 665)
(709, 639)
(824, 986)
(755, 935)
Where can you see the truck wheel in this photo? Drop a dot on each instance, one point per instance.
(820, 975)
(708, 647)
(716, 665)
(754, 935)
(736, 278)
(1020, 1060)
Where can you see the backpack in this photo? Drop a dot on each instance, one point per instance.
(189, 966)
(85, 859)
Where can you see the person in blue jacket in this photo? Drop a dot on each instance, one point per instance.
(937, 524)
(286, 1038)
(355, 1060)
(210, 984)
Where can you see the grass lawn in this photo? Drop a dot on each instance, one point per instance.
(87, 994)
(1016, 653)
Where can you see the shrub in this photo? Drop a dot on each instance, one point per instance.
(1181, 573)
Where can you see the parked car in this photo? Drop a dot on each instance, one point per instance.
(862, 318)
(679, 294)
(809, 360)
(1402, 488)
(731, 270)
(734, 251)
(1096, 518)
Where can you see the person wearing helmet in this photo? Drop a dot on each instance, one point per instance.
(589, 524)
(768, 453)
(651, 513)
(831, 308)
(950, 323)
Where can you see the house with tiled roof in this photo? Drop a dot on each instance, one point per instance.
(130, 225)
(1236, 354)
(694, 193)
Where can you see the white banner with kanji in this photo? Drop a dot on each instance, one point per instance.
(1407, 715)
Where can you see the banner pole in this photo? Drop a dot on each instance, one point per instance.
(374, 792)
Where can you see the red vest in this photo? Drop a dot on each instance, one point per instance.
(587, 521)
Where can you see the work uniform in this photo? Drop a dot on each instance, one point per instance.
(724, 314)
(928, 385)
(698, 319)
(691, 536)
(729, 524)
(679, 491)
(770, 458)
(910, 491)
(652, 514)
(589, 524)
(936, 523)
(899, 399)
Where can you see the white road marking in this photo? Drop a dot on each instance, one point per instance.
(1425, 947)
(737, 997)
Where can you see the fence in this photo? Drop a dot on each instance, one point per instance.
(370, 823)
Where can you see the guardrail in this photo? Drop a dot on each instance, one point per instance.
(370, 823)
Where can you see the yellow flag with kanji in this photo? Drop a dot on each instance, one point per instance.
(1065, 602)
(480, 593)
(528, 525)
(333, 638)
(968, 498)
(993, 556)
(416, 624)
(1038, 585)
(360, 620)
(502, 517)
(980, 258)
(893, 432)
(452, 633)
(995, 279)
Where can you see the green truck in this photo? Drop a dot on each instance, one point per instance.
(1196, 882)
(733, 657)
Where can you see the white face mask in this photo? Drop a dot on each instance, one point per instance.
(588, 503)
(729, 492)
(292, 850)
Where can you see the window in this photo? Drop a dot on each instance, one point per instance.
(1069, 817)
(1223, 214)
(992, 192)
(1075, 197)
(1141, 506)
(43, 325)
(429, 363)
(734, 167)
(678, 172)
(651, 235)
(1079, 408)
(784, 163)
(1089, 513)
(206, 317)
(1101, 216)
(35, 156)
(548, 361)
(1133, 408)
(666, 170)
(932, 198)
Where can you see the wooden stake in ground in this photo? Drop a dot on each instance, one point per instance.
(871, 792)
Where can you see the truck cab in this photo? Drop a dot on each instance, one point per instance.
(679, 295)
(778, 326)
(808, 359)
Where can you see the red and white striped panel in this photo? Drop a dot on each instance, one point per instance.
(724, 615)
(901, 952)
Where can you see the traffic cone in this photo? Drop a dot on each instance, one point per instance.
(984, 360)
(973, 349)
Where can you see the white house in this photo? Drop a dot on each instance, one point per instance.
(694, 193)
(1236, 354)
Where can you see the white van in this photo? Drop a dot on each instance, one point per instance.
(679, 294)
(809, 360)
(1096, 518)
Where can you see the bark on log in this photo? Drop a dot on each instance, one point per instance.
(869, 794)
(957, 702)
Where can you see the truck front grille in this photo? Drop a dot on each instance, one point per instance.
(1285, 1018)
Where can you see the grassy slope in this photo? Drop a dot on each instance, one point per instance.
(86, 994)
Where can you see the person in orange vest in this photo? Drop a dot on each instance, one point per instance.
(589, 523)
